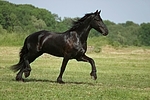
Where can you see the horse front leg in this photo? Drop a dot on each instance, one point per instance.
(63, 67)
(91, 61)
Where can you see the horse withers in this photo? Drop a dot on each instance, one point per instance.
(71, 44)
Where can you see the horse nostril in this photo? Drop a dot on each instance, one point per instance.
(105, 33)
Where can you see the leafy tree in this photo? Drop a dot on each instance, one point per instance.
(2, 31)
(39, 24)
(145, 34)
(16, 17)
(64, 25)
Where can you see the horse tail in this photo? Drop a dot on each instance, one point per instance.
(22, 54)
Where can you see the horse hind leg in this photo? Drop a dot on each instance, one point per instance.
(26, 72)
(25, 66)
(19, 67)
(29, 59)
(19, 75)
(27, 69)
(21, 71)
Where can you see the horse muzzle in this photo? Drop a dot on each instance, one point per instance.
(104, 31)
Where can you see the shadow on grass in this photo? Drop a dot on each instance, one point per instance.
(50, 81)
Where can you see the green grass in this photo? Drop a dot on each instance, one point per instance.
(123, 74)
(12, 39)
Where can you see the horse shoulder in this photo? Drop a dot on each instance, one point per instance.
(73, 43)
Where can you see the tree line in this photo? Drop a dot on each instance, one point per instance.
(25, 18)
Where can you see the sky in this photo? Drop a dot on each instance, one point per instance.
(118, 11)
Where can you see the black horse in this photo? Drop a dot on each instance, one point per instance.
(71, 44)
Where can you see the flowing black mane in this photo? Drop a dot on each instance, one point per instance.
(80, 21)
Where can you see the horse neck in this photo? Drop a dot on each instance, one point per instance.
(83, 31)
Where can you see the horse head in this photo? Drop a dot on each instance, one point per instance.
(97, 23)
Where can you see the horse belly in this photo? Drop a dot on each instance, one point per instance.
(55, 50)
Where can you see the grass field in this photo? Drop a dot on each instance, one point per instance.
(123, 74)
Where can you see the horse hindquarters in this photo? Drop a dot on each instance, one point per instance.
(25, 59)
(22, 62)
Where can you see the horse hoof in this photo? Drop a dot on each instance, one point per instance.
(93, 75)
(19, 79)
(60, 81)
(26, 74)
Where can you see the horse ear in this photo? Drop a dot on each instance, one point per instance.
(99, 12)
(96, 12)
